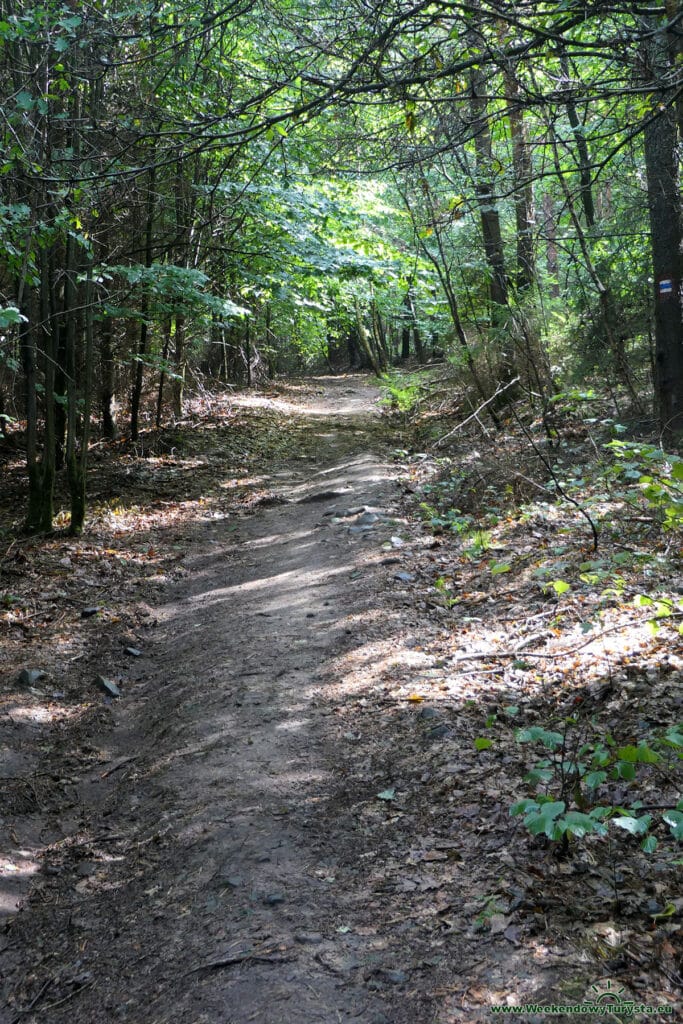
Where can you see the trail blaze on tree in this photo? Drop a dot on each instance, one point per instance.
(245, 189)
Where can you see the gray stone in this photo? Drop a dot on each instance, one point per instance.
(394, 977)
(428, 712)
(308, 938)
(31, 676)
(404, 577)
(107, 686)
(440, 732)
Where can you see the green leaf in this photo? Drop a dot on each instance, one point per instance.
(522, 806)
(482, 743)
(595, 779)
(387, 794)
(635, 826)
(499, 567)
(536, 733)
(543, 820)
(10, 315)
(24, 100)
(560, 587)
(674, 737)
(625, 770)
(629, 753)
(674, 820)
(579, 825)
(646, 755)
(649, 844)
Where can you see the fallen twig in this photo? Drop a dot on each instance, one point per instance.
(521, 653)
(118, 764)
(476, 412)
(265, 957)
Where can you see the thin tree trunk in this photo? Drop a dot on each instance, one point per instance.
(550, 232)
(139, 367)
(107, 381)
(179, 359)
(524, 193)
(162, 376)
(364, 340)
(78, 463)
(47, 461)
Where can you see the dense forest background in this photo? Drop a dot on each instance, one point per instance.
(218, 192)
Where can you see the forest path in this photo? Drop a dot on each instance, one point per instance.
(289, 814)
(212, 879)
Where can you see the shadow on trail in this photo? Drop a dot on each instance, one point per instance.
(301, 828)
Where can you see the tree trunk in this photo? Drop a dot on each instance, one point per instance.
(34, 514)
(490, 224)
(550, 231)
(179, 359)
(524, 194)
(661, 161)
(139, 368)
(485, 192)
(107, 381)
(582, 151)
(364, 340)
(162, 376)
(47, 461)
(78, 455)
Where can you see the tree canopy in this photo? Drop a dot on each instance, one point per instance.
(246, 188)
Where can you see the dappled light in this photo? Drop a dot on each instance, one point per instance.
(341, 505)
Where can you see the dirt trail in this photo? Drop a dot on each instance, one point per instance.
(217, 884)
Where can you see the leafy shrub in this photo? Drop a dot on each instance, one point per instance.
(572, 769)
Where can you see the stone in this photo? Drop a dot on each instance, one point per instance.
(440, 732)
(308, 938)
(31, 676)
(107, 686)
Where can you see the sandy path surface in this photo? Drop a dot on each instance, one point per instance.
(220, 885)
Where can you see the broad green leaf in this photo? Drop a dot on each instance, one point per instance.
(536, 733)
(579, 825)
(560, 587)
(674, 820)
(635, 826)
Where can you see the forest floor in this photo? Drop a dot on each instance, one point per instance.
(259, 763)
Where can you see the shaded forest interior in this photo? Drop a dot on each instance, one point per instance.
(214, 219)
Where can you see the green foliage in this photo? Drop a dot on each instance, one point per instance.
(400, 391)
(574, 768)
(652, 477)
